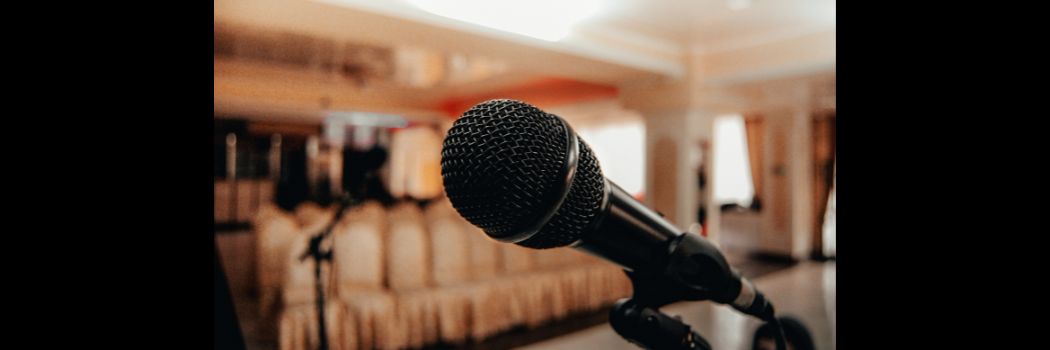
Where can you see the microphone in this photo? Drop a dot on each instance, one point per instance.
(523, 176)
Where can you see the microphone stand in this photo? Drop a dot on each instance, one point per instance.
(319, 256)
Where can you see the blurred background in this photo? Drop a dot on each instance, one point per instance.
(719, 114)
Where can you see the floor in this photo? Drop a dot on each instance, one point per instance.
(805, 291)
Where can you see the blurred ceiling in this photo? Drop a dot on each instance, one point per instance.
(713, 24)
(393, 54)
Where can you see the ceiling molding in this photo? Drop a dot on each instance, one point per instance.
(760, 39)
(663, 47)
(616, 55)
(773, 74)
(237, 107)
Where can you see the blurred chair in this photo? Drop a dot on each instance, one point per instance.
(275, 231)
(408, 278)
(450, 250)
(408, 252)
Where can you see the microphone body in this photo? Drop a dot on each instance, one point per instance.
(523, 176)
(676, 265)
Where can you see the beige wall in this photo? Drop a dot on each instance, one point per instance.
(277, 93)
(805, 54)
(786, 220)
(680, 113)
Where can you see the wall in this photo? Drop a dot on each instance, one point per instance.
(806, 54)
(679, 118)
(787, 216)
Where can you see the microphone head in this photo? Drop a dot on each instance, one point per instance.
(505, 163)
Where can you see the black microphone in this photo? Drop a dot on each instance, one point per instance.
(523, 176)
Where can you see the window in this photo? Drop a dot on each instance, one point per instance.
(732, 170)
(620, 149)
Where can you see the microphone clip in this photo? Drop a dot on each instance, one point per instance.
(651, 329)
(692, 270)
(639, 320)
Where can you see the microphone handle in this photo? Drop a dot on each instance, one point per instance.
(651, 249)
(628, 233)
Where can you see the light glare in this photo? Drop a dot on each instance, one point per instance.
(550, 20)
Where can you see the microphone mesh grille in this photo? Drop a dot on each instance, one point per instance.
(499, 162)
(580, 209)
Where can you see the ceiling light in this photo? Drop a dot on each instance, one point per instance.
(550, 20)
(738, 5)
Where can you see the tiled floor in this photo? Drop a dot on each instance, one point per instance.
(806, 291)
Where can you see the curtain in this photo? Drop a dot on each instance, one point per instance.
(754, 128)
(828, 245)
(415, 163)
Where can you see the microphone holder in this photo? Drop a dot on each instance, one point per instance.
(651, 329)
(639, 320)
(319, 256)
